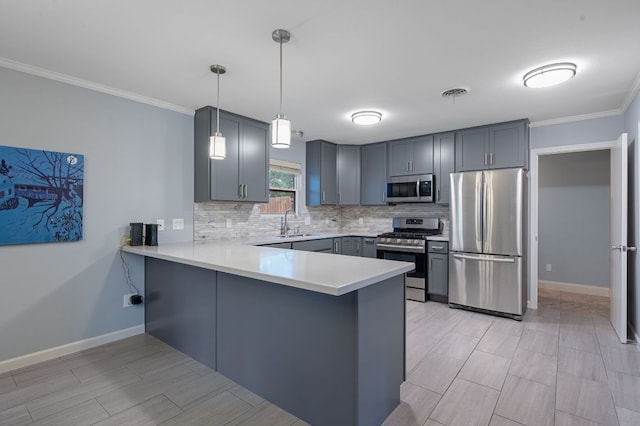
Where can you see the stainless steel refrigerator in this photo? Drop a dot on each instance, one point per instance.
(487, 248)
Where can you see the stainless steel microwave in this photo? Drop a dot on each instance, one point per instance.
(410, 189)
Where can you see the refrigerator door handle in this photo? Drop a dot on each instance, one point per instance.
(480, 218)
(484, 214)
(485, 258)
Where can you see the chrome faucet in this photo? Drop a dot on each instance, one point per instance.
(285, 227)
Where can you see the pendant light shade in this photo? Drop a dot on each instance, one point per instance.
(280, 132)
(217, 142)
(281, 126)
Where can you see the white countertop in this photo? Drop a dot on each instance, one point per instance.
(320, 272)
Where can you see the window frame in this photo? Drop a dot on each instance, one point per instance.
(287, 167)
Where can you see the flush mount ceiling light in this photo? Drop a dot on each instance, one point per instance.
(549, 75)
(217, 142)
(366, 118)
(280, 126)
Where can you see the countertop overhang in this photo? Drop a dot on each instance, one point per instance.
(319, 272)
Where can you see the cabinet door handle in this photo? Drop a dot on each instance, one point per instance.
(486, 159)
(438, 195)
(339, 197)
(335, 250)
(246, 190)
(323, 196)
(491, 158)
(384, 196)
(408, 166)
(437, 247)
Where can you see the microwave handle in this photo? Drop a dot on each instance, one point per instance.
(418, 188)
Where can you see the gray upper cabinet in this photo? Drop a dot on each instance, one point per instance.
(373, 181)
(497, 146)
(243, 174)
(321, 173)
(348, 164)
(443, 164)
(472, 147)
(509, 145)
(411, 156)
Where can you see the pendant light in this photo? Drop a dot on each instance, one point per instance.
(217, 142)
(280, 126)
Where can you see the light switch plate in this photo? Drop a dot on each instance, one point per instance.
(160, 223)
(360, 221)
(178, 224)
(228, 223)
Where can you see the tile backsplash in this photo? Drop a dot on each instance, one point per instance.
(218, 220)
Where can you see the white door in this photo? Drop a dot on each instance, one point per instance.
(618, 237)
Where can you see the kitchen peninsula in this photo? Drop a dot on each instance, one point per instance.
(320, 335)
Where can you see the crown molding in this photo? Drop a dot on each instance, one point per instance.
(74, 81)
(573, 118)
(632, 94)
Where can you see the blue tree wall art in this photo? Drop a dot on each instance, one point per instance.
(41, 195)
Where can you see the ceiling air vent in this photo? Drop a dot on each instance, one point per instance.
(459, 91)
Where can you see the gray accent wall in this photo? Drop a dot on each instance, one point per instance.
(138, 167)
(631, 120)
(573, 218)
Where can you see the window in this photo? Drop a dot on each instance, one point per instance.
(284, 180)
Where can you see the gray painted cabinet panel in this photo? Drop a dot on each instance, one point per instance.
(321, 173)
(171, 312)
(438, 270)
(412, 156)
(443, 164)
(352, 246)
(498, 146)
(279, 245)
(472, 148)
(323, 245)
(369, 247)
(348, 177)
(242, 175)
(373, 181)
(509, 145)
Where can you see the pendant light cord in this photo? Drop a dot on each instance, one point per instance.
(218, 105)
(281, 76)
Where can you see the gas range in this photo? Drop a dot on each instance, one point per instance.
(409, 234)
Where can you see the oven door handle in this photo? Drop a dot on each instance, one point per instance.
(393, 247)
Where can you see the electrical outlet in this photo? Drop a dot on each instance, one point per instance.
(126, 300)
(307, 220)
(548, 267)
(160, 223)
(360, 221)
(228, 223)
(178, 224)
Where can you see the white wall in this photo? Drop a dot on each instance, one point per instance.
(138, 167)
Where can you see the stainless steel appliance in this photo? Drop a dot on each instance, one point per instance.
(410, 189)
(407, 243)
(487, 258)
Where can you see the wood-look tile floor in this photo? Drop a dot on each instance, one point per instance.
(562, 365)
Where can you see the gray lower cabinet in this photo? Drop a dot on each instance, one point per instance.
(324, 245)
(321, 173)
(348, 166)
(438, 271)
(278, 245)
(411, 156)
(497, 146)
(373, 174)
(337, 246)
(369, 247)
(352, 246)
(444, 163)
(243, 174)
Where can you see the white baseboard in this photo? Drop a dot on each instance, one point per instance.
(574, 288)
(69, 348)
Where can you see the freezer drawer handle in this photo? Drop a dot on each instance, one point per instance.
(485, 259)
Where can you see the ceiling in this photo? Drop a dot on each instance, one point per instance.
(344, 55)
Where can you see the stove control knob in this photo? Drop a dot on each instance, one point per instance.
(399, 241)
(417, 242)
